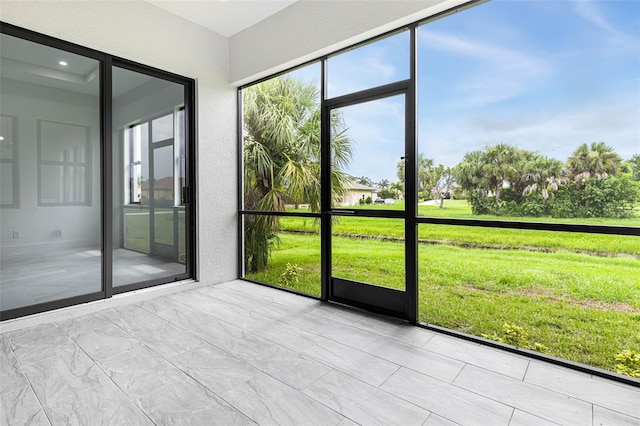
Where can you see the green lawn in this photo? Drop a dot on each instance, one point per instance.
(137, 234)
(578, 294)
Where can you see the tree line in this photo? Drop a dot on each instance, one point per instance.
(593, 182)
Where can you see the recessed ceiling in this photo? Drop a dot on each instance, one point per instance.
(226, 17)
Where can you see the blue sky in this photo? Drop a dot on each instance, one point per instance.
(545, 76)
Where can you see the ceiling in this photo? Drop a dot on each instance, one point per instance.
(226, 17)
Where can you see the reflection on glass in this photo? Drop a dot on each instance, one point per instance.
(162, 128)
(373, 148)
(287, 256)
(375, 64)
(51, 241)
(64, 156)
(6, 183)
(149, 233)
(528, 126)
(369, 250)
(576, 296)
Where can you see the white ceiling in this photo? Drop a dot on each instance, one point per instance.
(226, 17)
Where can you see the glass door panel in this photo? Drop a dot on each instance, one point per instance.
(51, 240)
(369, 250)
(149, 173)
(368, 211)
(372, 175)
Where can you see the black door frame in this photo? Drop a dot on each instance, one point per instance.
(393, 302)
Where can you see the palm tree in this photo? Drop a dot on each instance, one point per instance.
(543, 174)
(281, 153)
(384, 184)
(425, 172)
(597, 160)
(501, 163)
(398, 187)
(468, 173)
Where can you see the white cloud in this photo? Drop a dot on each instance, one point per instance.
(494, 73)
(555, 132)
(590, 11)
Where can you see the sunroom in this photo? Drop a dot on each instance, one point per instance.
(173, 185)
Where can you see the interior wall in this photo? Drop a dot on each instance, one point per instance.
(309, 29)
(29, 103)
(146, 34)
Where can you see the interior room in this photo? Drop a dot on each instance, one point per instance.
(319, 212)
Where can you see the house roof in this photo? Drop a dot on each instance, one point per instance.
(358, 186)
(163, 183)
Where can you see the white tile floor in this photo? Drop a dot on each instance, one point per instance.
(239, 353)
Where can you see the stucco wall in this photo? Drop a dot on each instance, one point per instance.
(141, 32)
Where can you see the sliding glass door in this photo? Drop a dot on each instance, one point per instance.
(149, 165)
(96, 172)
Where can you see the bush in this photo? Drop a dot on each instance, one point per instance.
(518, 337)
(290, 275)
(612, 197)
(387, 193)
(480, 204)
(361, 201)
(628, 363)
(368, 200)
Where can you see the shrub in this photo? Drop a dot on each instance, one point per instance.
(290, 275)
(368, 200)
(516, 336)
(628, 363)
(361, 201)
(480, 204)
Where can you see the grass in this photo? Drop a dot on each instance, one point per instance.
(578, 294)
(137, 225)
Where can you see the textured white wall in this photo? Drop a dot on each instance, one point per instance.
(144, 33)
(311, 28)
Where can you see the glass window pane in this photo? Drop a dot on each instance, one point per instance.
(368, 146)
(571, 295)
(149, 232)
(63, 142)
(162, 128)
(52, 249)
(281, 148)
(375, 64)
(163, 184)
(277, 253)
(520, 124)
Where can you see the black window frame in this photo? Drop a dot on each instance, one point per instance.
(412, 219)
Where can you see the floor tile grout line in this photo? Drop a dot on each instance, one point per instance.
(374, 387)
(99, 366)
(390, 376)
(275, 378)
(575, 397)
(26, 377)
(527, 383)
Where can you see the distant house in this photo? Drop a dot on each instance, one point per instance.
(354, 192)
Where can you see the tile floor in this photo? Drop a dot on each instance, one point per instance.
(239, 353)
